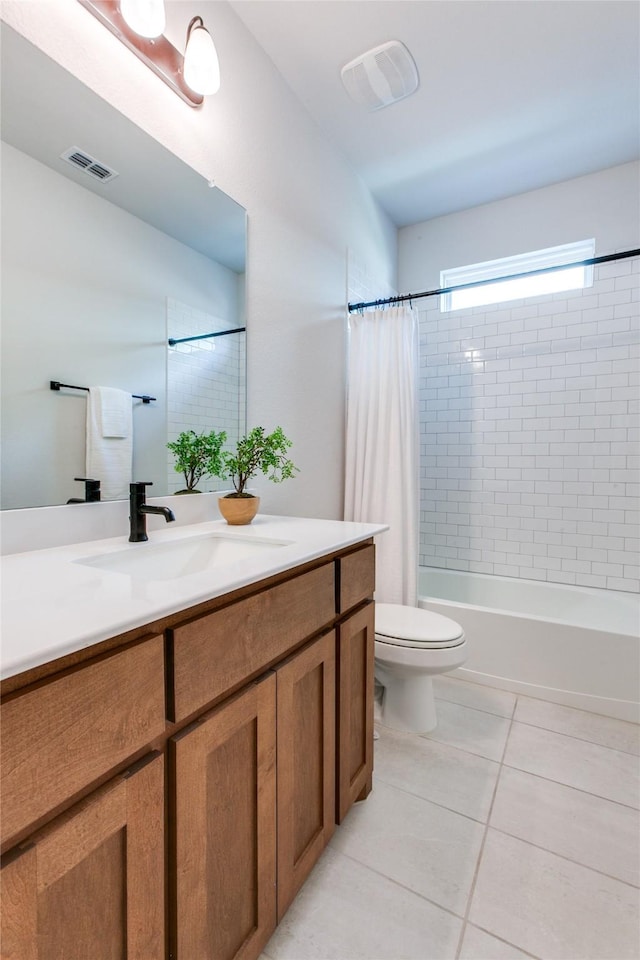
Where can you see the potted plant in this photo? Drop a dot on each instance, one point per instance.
(256, 452)
(197, 455)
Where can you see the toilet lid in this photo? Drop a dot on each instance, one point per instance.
(413, 626)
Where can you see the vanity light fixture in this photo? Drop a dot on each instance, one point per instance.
(201, 67)
(135, 22)
(145, 17)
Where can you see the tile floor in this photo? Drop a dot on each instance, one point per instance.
(511, 831)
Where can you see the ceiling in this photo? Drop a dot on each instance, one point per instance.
(514, 94)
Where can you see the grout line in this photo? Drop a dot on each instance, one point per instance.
(515, 836)
(484, 837)
(418, 796)
(501, 716)
(398, 883)
(562, 856)
(570, 786)
(540, 726)
(573, 736)
(455, 746)
(507, 942)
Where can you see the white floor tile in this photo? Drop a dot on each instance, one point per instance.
(499, 702)
(552, 908)
(426, 848)
(445, 775)
(346, 912)
(473, 730)
(554, 881)
(478, 945)
(594, 832)
(587, 766)
(617, 734)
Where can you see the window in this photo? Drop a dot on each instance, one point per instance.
(520, 287)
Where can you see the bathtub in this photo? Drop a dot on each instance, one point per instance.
(571, 645)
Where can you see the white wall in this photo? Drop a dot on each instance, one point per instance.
(603, 205)
(85, 306)
(529, 409)
(306, 210)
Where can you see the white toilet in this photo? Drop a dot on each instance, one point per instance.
(412, 644)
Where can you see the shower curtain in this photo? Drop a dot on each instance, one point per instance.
(382, 460)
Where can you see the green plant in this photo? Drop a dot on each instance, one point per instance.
(257, 452)
(198, 455)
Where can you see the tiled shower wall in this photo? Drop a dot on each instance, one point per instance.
(205, 387)
(529, 434)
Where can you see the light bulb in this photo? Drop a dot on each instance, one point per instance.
(201, 67)
(145, 17)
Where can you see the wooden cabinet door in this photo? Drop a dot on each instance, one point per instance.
(91, 884)
(355, 708)
(306, 763)
(224, 838)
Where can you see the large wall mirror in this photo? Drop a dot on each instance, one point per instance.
(97, 274)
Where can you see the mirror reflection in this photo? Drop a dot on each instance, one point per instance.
(97, 274)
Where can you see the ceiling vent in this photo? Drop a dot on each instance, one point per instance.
(83, 161)
(381, 76)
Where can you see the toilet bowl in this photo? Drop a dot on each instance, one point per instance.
(411, 645)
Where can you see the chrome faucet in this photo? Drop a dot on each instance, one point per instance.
(138, 510)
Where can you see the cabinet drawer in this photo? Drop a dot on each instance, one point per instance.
(217, 652)
(357, 577)
(58, 738)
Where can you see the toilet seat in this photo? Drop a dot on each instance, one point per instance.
(402, 626)
(412, 645)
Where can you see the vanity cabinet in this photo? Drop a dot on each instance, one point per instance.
(61, 736)
(223, 837)
(217, 748)
(306, 769)
(91, 884)
(354, 715)
(254, 784)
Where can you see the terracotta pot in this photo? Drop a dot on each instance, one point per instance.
(238, 510)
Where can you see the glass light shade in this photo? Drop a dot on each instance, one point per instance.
(145, 17)
(201, 67)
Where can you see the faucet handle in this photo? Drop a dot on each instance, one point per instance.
(91, 488)
(139, 485)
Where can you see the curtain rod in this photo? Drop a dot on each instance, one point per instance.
(480, 283)
(56, 385)
(205, 336)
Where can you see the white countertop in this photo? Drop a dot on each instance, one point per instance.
(53, 606)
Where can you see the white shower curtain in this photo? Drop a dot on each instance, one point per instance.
(381, 483)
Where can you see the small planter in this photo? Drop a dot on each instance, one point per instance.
(238, 511)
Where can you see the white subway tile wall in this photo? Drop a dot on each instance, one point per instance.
(205, 388)
(529, 421)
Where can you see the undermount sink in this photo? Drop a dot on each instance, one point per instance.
(181, 558)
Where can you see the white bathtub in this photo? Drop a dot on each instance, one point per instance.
(571, 645)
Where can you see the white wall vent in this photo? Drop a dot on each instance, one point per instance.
(381, 76)
(83, 161)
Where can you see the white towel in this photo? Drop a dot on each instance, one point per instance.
(113, 411)
(110, 441)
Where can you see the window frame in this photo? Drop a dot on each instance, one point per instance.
(506, 267)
